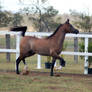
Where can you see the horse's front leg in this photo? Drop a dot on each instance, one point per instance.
(62, 61)
(52, 66)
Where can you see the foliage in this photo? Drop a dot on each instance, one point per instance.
(45, 21)
(82, 49)
(16, 20)
(4, 19)
(42, 15)
(9, 19)
(84, 21)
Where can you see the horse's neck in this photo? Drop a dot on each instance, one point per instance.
(60, 36)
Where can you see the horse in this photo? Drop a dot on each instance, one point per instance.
(48, 46)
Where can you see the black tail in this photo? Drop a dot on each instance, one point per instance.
(19, 28)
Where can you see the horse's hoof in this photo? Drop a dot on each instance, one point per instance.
(57, 75)
(25, 72)
(51, 74)
(17, 73)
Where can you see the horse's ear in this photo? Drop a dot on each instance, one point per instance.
(67, 21)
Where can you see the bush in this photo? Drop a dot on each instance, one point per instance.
(82, 49)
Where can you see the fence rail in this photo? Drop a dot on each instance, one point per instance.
(40, 34)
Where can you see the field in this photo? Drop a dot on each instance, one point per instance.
(69, 79)
(42, 82)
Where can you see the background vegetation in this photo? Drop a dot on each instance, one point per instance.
(44, 17)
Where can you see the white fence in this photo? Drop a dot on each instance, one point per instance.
(40, 34)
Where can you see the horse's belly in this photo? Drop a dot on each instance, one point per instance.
(44, 52)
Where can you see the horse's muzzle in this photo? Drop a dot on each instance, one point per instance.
(76, 31)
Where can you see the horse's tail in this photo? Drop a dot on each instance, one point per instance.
(19, 28)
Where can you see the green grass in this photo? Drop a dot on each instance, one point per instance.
(12, 42)
(10, 82)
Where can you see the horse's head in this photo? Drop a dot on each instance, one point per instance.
(69, 28)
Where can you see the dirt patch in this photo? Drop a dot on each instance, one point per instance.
(53, 88)
(38, 73)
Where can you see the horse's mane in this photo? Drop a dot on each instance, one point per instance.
(55, 31)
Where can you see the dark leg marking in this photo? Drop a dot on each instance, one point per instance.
(17, 65)
(53, 62)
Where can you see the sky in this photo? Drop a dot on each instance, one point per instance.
(63, 6)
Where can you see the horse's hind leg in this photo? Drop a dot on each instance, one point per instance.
(22, 57)
(17, 65)
(30, 53)
(53, 62)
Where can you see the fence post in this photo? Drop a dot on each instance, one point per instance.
(39, 59)
(86, 57)
(39, 62)
(8, 47)
(76, 49)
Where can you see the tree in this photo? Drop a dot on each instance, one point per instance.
(48, 18)
(85, 24)
(42, 15)
(45, 21)
(84, 21)
(4, 19)
(16, 20)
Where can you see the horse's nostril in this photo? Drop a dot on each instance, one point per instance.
(76, 31)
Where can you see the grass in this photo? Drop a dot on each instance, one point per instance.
(18, 83)
(71, 67)
(10, 82)
(12, 42)
(42, 82)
